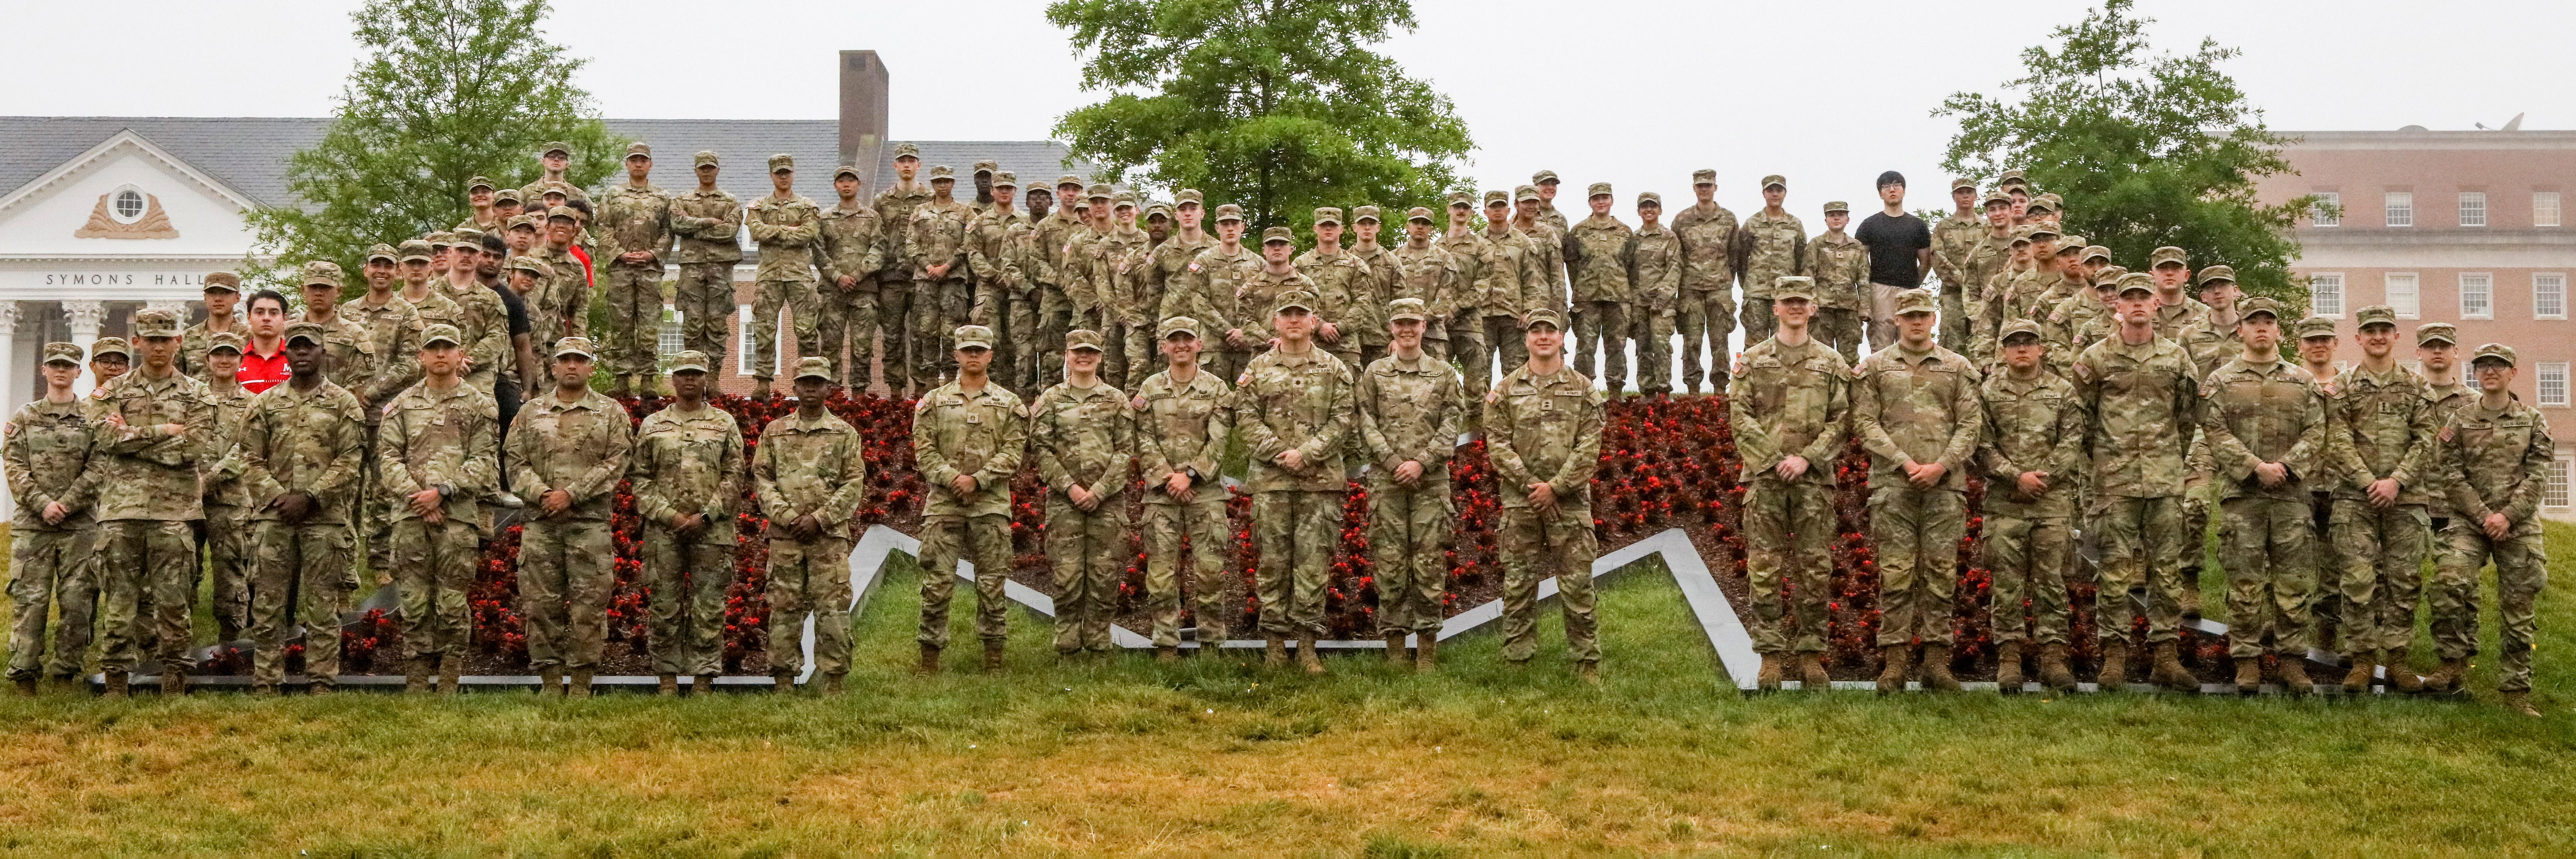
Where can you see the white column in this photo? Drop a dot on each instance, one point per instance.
(178, 308)
(85, 317)
(8, 385)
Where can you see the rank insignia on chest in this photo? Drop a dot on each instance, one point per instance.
(974, 418)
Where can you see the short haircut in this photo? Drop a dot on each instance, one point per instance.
(579, 205)
(266, 295)
(493, 244)
(1890, 178)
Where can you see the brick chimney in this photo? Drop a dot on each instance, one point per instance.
(863, 111)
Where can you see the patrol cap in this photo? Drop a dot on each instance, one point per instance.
(1775, 179)
(323, 273)
(412, 250)
(1079, 338)
(943, 171)
(2493, 352)
(2070, 243)
(1099, 191)
(1837, 206)
(478, 182)
(907, 150)
(469, 237)
(1959, 182)
(2055, 203)
(440, 332)
(440, 239)
(1599, 189)
(705, 158)
(845, 170)
(2039, 205)
(2136, 281)
(816, 367)
(1158, 208)
(634, 150)
(1704, 176)
(1462, 199)
(223, 281)
(531, 265)
(2167, 254)
(973, 337)
(1006, 179)
(565, 212)
(505, 195)
(555, 146)
(382, 251)
(1229, 212)
(305, 329)
(556, 188)
(1125, 199)
(2038, 230)
(105, 346)
(573, 345)
(2316, 326)
(1364, 215)
(2109, 276)
(782, 162)
(1497, 195)
(2376, 314)
(1996, 196)
(70, 353)
(2011, 178)
(1277, 234)
(1408, 308)
(1525, 192)
(2436, 332)
(986, 165)
(2092, 251)
(688, 361)
(1418, 213)
(1192, 197)
(1546, 316)
(2217, 272)
(2020, 328)
(1068, 179)
(1177, 325)
(1912, 301)
(1296, 298)
(2021, 235)
(1800, 287)
(1328, 215)
(1542, 177)
(1646, 197)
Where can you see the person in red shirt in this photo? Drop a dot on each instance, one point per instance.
(263, 365)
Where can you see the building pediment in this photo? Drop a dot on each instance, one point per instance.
(124, 197)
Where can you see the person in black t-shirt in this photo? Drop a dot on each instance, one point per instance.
(1900, 251)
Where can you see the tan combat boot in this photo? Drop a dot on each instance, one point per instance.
(929, 660)
(992, 656)
(2401, 675)
(2520, 702)
(782, 682)
(1891, 679)
(1167, 653)
(2052, 669)
(580, 687)
(1395, 648)
(2115, 666)
(760, 389)
(625, 387)
(1769, 678)
(549, 682)
(2169, 672)
(174, 682)
(2008, 668)
(1811, 673)
(1274, 652)
(832, 685)
(1307, 657)
(416, 677)
(2357, 680)
(1423, 661)
(1936, 669)
(449, 667)
(2190, 592)
(2446, 679)
(1588, 672)
(2294, 676)
(26, 686)
(705, 685)
(116, 681)
(666, 686)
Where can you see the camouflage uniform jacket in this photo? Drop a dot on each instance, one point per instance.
(1296, 402)
(1476, 262)
(361, 351)
(1053, 231)
(989, 255)
(1988, 257)
(690, 462)
(1340, 280)
(1516, 285)
(1077, 256)
(2172, 320)
(579, 447)
(45, 448)
(1707, 232)
(1655, 268)
(1103, 256)
(1370, 295)
(1544, 428)
(307, 443)
(894, 206)
(852, 244)
(2499, 461)
(1181, 428)
(1916, 407)
(1411, 410)
(814, 467)
(982, 434)
(1165, 270)
(1773, 248)
(2143, 401)
(1953, 239)
(447, 440)
(1547, 262)
(141, 473)
(1790, 401)
(1259, 295)
(937, 234)
(785, 230)
(635, 219)
(222, 469)
(552, 312)
(484, 321)
(709, 226)
(1430, 273)
(1840, 265)
(396, 326)
(1599, 256)
(1206, 290)
(1082, 437)
(2033, 425)
(2447, 400)
(197, 340)
(2211, 345)
(2382, 426)
(2269, 412)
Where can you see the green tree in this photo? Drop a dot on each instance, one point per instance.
(2147, 149)
(1275, 105)
(446, 90)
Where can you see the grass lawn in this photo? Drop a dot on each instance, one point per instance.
(1216, 757)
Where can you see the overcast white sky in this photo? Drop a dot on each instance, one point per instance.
(1635, 93)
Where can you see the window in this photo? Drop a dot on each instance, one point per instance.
(2555, 493)
(2544, 208)
(2552, 382)
(2469, 378)
(2325, 295)
(2415, 367)
(742, 344)
(2473, 208)
(2402, 296)
(2401, 208)
(2549, 296)
(670, 342)
(129, 205)
(2328, 211)
(2477, 296)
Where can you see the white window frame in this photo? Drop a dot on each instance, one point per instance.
(2328, 212)
(2469, 378)
(2397, 208)
(2473, 208)
(742, 340)
(2481, 286)
(2549, 295)
(670, 339)
(2413, 306)
(2554, 489)
(2546, 209)
(2544, 374)
(2326, 295)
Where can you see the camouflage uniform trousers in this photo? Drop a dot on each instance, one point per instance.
(849, 319)
(2269, 547)
(2028, 559)
(1602, 329)
(1653, 332)
(1788, 528)
(232, 550)
(42, 565)
(1018, 316)
(136, 555)
(76, 591)
(1131, 355)
(1916, 532)
(1954, 318)
(894, 331)
(1706, 318)
(2325, 597)
(564, 586)
(1409, 537)
(1296, 530)
(1054, 318)
(1088, 552)
(1840, 326)
(1529, 539)
(1756, 320)
(807, 578)
(2522, 570)
(804, 308)
(938, 307)
(633, 344)
(704, 298)
(986, 540)
(688, 601)
(1204, 521)
(302, 578)
(375, 511)
(1478, 341)
(433, 572)
(2378, 555)
(2142, 548)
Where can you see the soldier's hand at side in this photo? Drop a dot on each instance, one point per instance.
(554, 502)
(2498, 526)
(938, 271)
(849, 281)
(1178, 486)
(173, 429)
(1791, 466)
(293, 506)
(1926, 475)
(1543, 496)
(964, 484)
(1082, 498)
(2383, 492)
(1291, 460)
(2271, 473)
(1409, 472)
(55, 513)
(1234, 338)
(687, 524)
(1330, 332)
(424, 502)
(807, 527)
(2033, 483)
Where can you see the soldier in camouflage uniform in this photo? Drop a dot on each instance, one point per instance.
(811, 473)
(849, 250)
(45, 447)
(935, 245)
(559, 306)
(439, 455)
(1984, 259)
(1544, 182)
(154, 426)
(1460, 331)
(785, 224)
(1294, 407)
(1915, 407)
(1085, 286)
(1165, 271)
(2379, 455)
(1082, 432)
(2212, 339)
(1543, 432)
(2264, 421)
(2032, 448)
(300, 447)
(688, 479)
(1183, 419)
(478, 315)
(1208, 294)
(1547, 248)
(1370, 297)
(1790, 402)
(2139, 390)
(1011, 272)
(1113, 260)
(223, 293)
(567, 449)
(1263, 287)
(2176, 312)
(894, 206)
(553, 161)
(1598, 254)
(967, 440)
(1340, 281)
(1840, 266)
(1954, 237)
(1429, 270)
(1034, 294)
(1655, 278)
(1513, 286)
(2495, 453)
(1411, 409)
(1773, 246)
(707, 222)
(1707, 310)
(1049, 234)
(393, 324)
(230, 538)
(635, 223)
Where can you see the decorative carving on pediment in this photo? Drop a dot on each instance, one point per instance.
(152, 223)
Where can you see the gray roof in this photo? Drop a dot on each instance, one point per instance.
(249, 154)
